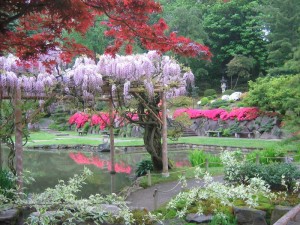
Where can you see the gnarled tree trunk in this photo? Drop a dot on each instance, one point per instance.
(152, 140)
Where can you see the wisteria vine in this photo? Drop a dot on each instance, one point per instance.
(88, 77)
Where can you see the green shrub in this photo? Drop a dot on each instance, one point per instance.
(226, 132)
(223, 219)
(228, 92)
(60, 119)
(6, 182)
(86, 127)
(210, 92)
(267, 156)
(141, 217)
(273, 174)
(181, 101)
(241, 104)
(197, 158)
(204, 101)
(143, 167)
(219, 103)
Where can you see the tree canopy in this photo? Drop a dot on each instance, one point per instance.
(29, 28)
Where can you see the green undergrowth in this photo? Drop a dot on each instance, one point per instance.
(175, 173)
(210, 206)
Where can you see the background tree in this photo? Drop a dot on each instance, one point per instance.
(240, 66)
(235, 28)
(282, 24)
(29, 28)
(185, 17)
(277, 94)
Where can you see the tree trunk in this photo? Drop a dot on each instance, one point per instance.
(19, 138)
(152, 140)
(0, 136)
(0, 154)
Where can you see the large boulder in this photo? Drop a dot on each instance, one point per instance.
(196, 218)
(9, 217)
(248, 216)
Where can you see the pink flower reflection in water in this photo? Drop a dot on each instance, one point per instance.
(80, 158)
(184, 163)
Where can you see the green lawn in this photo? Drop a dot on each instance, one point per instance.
(72, 138)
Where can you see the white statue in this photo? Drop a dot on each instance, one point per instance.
(223, 87)
(223, 84)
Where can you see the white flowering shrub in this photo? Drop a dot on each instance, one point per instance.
(233, 162)
(60, 204)
(235, 96)
(279, 176)
(225, 97)
(219, 195)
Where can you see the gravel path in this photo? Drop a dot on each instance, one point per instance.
(143, 198)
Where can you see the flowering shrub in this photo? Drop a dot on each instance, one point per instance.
(241, 114)
(277, 175)
(79, 118)
(66, 208)
(219, 195)
(232, 162)
(102, 119)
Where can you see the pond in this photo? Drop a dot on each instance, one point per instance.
(47, 167)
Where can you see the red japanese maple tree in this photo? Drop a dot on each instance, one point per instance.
(31, 27)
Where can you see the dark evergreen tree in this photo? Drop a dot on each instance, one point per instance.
(283, 23)
(235, 28)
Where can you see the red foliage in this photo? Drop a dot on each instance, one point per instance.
(81, 159)
(133, 116)
(40, 24)
(214, 114)
(79, 119)
(243, 114)
(101, 119)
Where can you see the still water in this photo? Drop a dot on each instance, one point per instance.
(47, 167)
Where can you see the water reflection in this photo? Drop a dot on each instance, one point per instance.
(120, 167)
(47, 167)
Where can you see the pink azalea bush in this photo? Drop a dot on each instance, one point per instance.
(102, 119)
(79, 118)
(241, 114)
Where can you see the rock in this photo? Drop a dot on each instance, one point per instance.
(278, 212)
(196, 218)
(9, 217)
(175, 221)
(53, 146)
(114, 210)
(247, 216)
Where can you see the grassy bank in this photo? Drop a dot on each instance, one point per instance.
(175, 173)
(72, 138)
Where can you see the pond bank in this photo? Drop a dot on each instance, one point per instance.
(214, 149)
